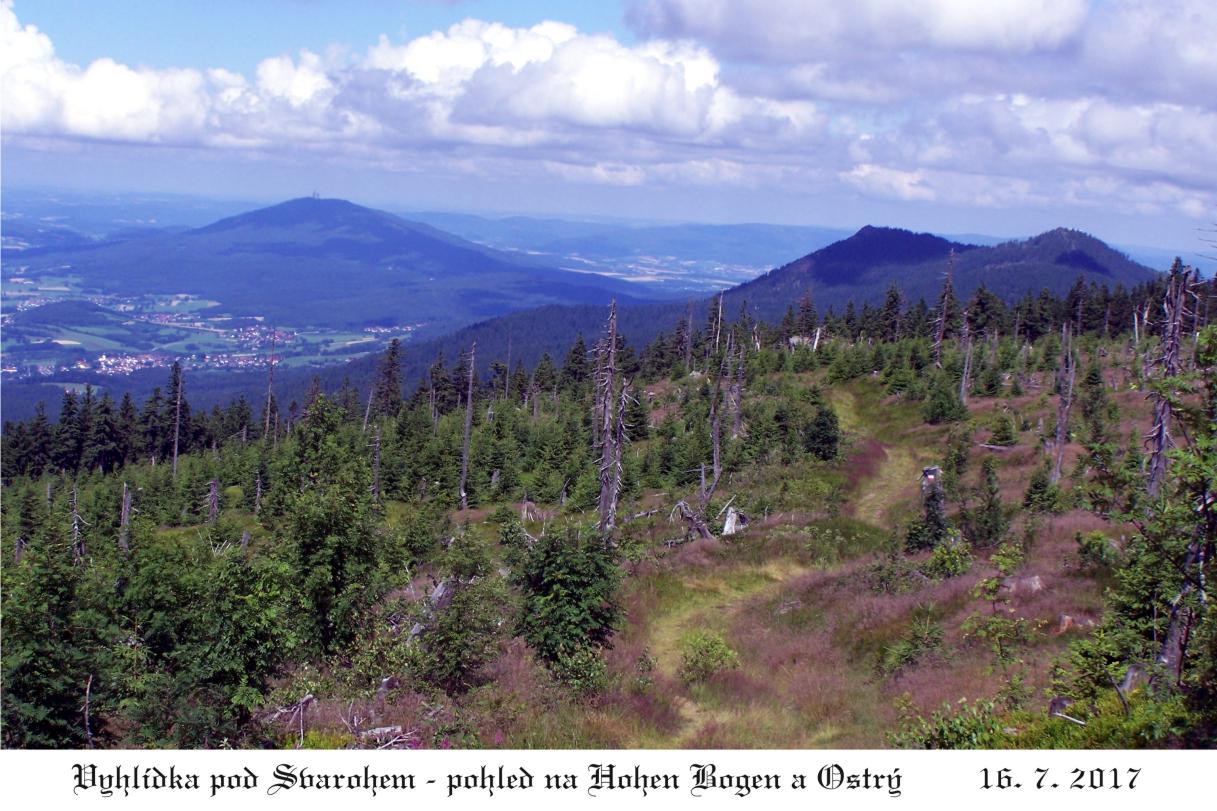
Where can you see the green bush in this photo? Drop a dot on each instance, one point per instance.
(923, 638)
(1096, 551)
(583, 671)
(892, 575)
(951, 558)
(968, 726)
(704, 654)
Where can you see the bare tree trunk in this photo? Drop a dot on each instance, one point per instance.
(78, 544)
(606, 382)
(619, 439)
(86, 708)
(1064, 404)
(694, 519)
(1174, 310)
(468, 428)
(1174, 646)
(124, 521)
(213, 501)
(965, 382)
(367, 411)
(257, 494)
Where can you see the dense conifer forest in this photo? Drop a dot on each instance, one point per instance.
(958, 523)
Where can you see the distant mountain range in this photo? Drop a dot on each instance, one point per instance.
(859, 269)
(862, 267)
(330, 262)
(327, 263)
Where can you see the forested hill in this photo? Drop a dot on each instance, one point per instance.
(859, 270)
(862, 267)
(331, 263)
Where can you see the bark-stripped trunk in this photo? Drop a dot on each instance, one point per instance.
(1174, 310)
(693, 519)
(468, 429)
(78, 543)
(213, 501)
(610, 459)
(124, 521)
(1174, 646)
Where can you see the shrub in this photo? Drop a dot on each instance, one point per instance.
(943, 404)
(1005, 430)
(823, 434)
(705, 653)
(583, 671)
(569, 585)
(1041, 495)
(970, 726)
(951, 558)
(923, 638)
(1096, 551)
(893, 575)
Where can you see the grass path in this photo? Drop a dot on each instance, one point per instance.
(712, 598)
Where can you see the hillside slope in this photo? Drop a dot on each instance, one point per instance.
(330, 263)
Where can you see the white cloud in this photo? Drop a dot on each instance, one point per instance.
(802, 30)
(998, 104)
(882, 181)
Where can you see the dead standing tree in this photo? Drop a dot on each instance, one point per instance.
(124, 521)
(1067, 371)
(468, 428)
(213, 501)
(1180, 288)
(270, 384)
(606, 429)
(1169, 365)
(78, 542)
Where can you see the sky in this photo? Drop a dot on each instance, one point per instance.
(1007, 117)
